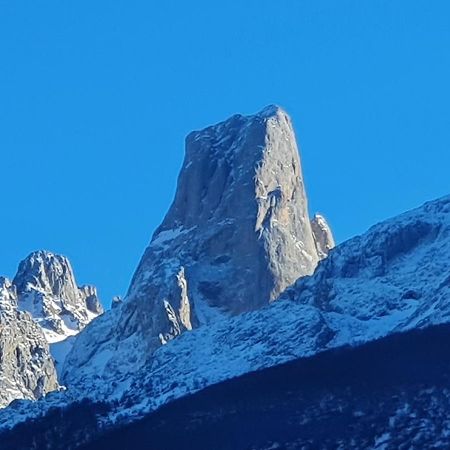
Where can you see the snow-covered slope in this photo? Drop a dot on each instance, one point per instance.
(46, 288)
(237, 234)
(26, 366)
(394, 278)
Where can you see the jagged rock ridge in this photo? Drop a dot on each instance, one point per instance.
(394, 278)
(46, 288)
(237, 234)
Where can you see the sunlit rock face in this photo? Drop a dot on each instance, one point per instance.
(236, 235)
(239, 223)
(47, 289)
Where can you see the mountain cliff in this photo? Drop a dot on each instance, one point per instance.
(236, 235)
(46, 288)
(41, 311)
(26, 366)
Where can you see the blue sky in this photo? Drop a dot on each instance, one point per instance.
(97, 97)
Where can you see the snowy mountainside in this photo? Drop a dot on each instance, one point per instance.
(41, 308)
(398, 273)
(26, 366)
(394, 278)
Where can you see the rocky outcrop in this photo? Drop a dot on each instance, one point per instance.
(90, 298)
(323, 237)
(26, 366)
(46, 288)
(240, 213)
(237, 234)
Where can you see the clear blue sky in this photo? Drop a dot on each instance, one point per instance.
(96, 98)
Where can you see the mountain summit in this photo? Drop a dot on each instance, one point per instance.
(46, 288)
(41, 311)
(236, 235)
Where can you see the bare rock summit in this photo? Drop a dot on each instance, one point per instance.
(237, 234)
(47, 289)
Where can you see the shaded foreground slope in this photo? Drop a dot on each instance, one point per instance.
(391, 393)
(394, 391)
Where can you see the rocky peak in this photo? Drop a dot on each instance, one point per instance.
(236, 235)
(323, 237)
(45, 271)
(240, 207)
(46, 288)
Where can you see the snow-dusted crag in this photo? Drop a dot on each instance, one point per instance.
(26, 366)
(42, 306)
(46, 288)
(237, 234)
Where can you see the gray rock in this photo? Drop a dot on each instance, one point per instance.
(90, 298)
(46, 288)
(26, 366)
(238, 228)
(237, 234)
(323, 237)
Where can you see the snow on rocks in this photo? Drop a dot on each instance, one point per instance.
(26, 366)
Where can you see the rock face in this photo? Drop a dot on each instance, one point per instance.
(237, 234)
(323, 237)
(26, 366)
(240, 213)
(46, 288)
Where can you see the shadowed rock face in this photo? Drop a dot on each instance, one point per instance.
(26, 366)
(239, 222)
(236, 235)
